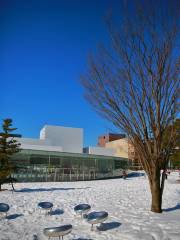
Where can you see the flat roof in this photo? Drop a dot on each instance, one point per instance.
(67, 154)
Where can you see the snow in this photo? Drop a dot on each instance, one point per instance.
(126, 201)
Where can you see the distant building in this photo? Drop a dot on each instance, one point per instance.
(120, 146)
(106, 138)
(58, 155)
(100, 151)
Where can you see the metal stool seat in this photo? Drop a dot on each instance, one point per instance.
(96, 217)
(4, 208)
(58, 231)
(82, 209)
(45, 206)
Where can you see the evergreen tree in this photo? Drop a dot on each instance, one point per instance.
(8, 147)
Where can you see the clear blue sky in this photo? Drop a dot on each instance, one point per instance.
(43, 51)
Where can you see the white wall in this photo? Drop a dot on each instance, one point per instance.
(34, 141)
(41, 147)
(100, 151)
(70, 139)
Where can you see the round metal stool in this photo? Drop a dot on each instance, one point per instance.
(58, 231)
(4, 208)
(82, 209)
(47, 206)
(96, 218)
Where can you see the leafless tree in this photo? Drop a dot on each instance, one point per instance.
(134, 83)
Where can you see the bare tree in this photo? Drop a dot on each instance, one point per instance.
(134, 83)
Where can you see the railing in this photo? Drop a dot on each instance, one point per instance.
(63, 174)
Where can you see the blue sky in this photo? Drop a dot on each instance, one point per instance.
(44, 47)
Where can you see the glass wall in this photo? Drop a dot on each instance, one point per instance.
(34, 165)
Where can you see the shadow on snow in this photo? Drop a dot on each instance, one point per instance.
(29, 190)
(82, 239)
(172, 208)
(57, 212)
(108, 226)
(14, 216)
(135, 174)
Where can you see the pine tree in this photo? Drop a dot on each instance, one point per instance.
(8, 147)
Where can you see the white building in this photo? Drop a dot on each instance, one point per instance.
(100, 151)
(56, 138)
(58, 156)
(63, 139)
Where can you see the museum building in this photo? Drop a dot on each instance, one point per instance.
(58, 155)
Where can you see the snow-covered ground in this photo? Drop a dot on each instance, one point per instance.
(126, 201)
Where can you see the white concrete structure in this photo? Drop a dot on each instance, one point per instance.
(56, 138)
(64, 139)
(100, 151)
(42, 147)
(34, 141)
(70, 139)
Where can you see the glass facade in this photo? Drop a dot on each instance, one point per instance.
(40, 166)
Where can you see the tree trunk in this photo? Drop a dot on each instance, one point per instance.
(156, 193)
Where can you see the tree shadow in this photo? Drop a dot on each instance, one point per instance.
(29, 190)
(56, 212)
(135, 174)
(14, 216)
(82, 239)
(172, 208)
(108, 226)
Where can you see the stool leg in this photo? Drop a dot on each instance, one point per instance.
(91, 227)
